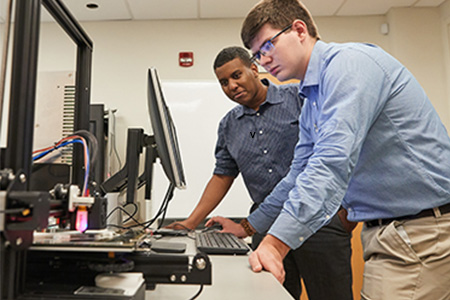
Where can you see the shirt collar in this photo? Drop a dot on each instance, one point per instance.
(271, 99)
(312, 76)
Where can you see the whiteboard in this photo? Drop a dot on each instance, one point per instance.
(196, 109)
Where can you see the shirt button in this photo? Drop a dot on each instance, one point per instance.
(270, 170)
(265, 151)
(314, 103)
(260, 132)
(316, 129)
(258, 114)
(327, 217)
(301, 239)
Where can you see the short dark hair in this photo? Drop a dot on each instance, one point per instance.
(277, 13)
(230, 53)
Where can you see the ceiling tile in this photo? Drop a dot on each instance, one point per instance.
(194, 9)
(371, 7)
(225, 9)
(163, 9)
(323, 7)
(432, 3)
(107, 10)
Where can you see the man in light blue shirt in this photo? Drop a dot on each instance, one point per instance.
(370, 141)
(257, 139)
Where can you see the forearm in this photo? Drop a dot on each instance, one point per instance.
(215, 191)
(277, 244)
(262, 218)
(269, 256)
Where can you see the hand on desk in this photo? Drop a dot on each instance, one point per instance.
(269, 256)
(181, 225)
(228, 226)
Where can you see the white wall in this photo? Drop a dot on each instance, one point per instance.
(420, 48)
(353, 29)
(3, 85)
(445, 40)
(124, 50)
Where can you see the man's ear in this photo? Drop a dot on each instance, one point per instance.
(254, 69)
(300, 27)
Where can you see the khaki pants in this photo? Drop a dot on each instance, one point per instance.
(407, 260)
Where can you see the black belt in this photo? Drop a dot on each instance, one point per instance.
(424, 213)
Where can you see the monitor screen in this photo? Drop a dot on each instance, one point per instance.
(164, 131)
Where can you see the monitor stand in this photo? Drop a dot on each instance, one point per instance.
(128, 177)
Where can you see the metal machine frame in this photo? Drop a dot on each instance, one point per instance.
(23, 83)
(18, 154)
(17, 235)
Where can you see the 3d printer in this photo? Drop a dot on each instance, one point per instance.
(71, 271)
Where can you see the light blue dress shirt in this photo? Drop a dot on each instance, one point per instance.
(369, 135)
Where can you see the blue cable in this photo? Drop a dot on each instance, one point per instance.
(86, 174)
(54, 148)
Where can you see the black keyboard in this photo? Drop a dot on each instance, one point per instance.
(213, 242)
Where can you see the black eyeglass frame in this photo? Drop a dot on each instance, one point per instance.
(257, 56)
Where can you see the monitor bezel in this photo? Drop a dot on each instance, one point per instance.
(164, 131)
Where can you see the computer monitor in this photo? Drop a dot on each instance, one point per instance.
(164, 131)
(163, 144)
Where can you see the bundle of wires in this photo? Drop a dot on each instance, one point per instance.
(162, 211)
(78, 137)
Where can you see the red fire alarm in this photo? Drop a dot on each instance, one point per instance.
(186, 59)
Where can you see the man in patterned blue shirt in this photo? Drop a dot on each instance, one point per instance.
(257, 139)
(371, 141)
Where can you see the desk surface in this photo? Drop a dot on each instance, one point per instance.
(232, 278)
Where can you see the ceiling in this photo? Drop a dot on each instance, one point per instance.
(212, 9)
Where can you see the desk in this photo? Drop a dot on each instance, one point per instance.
(232, 278)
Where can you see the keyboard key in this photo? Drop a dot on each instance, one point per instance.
(213, 242)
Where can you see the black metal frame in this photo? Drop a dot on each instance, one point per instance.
(18, 154)
(83, 77)
(23, 83)
(97, 128)
(67, 270)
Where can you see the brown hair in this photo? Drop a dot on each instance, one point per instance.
(279, 14)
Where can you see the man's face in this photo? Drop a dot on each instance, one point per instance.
(288, 59)
(240, 82)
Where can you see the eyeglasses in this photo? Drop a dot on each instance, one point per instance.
(268, 46)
